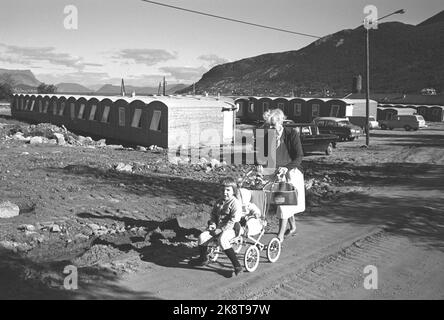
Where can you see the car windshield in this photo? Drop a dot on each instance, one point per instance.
(419, 118)
(371, 119)
(343, 123)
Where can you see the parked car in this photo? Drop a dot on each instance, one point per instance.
(360, 122)
(312, 140)
(338, 126)
(408, 122)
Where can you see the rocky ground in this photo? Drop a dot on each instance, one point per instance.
(128, 217)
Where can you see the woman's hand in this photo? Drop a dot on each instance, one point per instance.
(260, 169)
(281, 172)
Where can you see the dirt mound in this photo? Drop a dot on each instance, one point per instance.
(100, 254)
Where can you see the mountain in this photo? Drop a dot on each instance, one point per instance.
(72, 88)
(112, 89)
(403, 58)
(24, 77)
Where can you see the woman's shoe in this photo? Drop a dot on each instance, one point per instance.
(290, 233)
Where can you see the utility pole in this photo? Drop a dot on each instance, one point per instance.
(367, 58)
(164, 86)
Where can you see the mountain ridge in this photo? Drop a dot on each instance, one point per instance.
(403, 58)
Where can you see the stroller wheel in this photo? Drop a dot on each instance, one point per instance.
(273, 250)
(251, 258)
(237, 244)
(213, 253)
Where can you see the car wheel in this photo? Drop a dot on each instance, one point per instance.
(383, 127)
(351, 138)
(391, 128)
(407, 128)
(329, 149)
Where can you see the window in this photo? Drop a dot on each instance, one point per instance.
(281, 106)
(155, 121)
(136, 123)
(40, 106)
(265, 105)
(122, 117)
(92, 114)
(315, 110)
(62, 108)
(105, 114)
(32, 105)
(45, 110)
(334, 111)
(251, 107)
(81, 111)
(73, 110)
(297, 109)
(54, 108)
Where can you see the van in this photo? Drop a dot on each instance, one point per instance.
(360, 121)
(408, 122)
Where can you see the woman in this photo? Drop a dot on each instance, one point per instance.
(287, 159)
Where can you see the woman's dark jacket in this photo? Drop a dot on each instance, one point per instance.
(293, 144)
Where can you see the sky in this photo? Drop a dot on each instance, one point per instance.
(143, 42)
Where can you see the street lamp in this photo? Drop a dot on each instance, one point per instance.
(367, 86)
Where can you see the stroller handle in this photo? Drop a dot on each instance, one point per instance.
(277, 178)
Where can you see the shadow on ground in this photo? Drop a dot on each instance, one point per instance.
(23, 279)
(184, 189)
(172, 251)
(407, 199)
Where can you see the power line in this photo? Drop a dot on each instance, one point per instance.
(233, 20)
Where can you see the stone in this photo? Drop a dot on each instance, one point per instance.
(122, 167)
(94, 226)
(8, 210)
(60, 139)
(36, 140)
(197, 220)
(101, 143)
(140, 148)
(55, 228)
(27, 227)
(19, 136)
(214, 163)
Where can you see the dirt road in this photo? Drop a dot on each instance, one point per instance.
(381, 206)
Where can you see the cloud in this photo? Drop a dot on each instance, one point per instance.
(147, 57)
(84, 78)
(185, 73)
(213, 59)
(34, 55)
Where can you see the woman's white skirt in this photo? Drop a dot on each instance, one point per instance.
(296, 178)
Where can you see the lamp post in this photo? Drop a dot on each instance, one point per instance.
(367, 85)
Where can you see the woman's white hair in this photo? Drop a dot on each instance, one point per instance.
(277, 114)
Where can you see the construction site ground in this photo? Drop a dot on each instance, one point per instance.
(130, 232)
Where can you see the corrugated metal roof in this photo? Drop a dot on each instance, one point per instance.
(169, 101)
(405, 99)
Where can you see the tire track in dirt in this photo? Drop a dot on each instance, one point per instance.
(334, 274)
